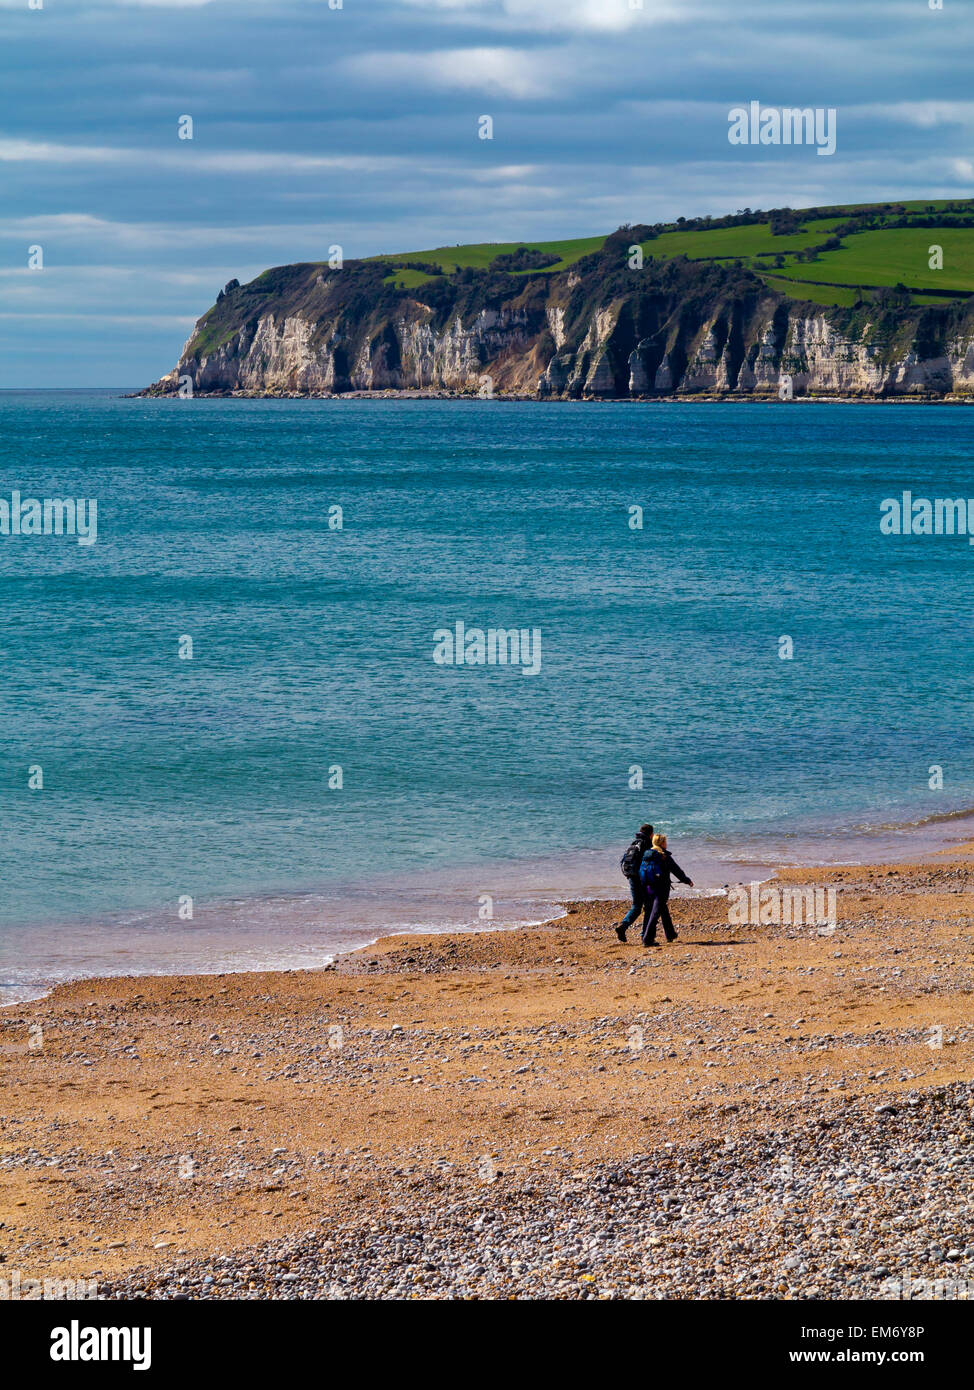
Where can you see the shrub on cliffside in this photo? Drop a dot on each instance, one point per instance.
(524, 258)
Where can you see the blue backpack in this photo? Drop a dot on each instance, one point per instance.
(651, 870)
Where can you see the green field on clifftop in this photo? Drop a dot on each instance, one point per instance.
(480, 254)
(739, 243)
(787, 249)
(897, 255)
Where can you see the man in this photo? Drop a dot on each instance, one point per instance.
(630, 864)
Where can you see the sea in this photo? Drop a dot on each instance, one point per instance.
(241, 729)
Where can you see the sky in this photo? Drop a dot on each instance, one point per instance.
(317, 124)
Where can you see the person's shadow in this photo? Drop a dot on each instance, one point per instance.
(688, 942)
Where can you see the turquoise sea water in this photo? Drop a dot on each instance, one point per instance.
(313, 648)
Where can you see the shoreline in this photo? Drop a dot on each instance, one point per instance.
(436, 394)
(535, 1112)
(329, 963)
(526, 893)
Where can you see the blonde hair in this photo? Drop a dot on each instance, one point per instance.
(659, 842)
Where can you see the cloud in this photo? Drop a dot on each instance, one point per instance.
(925, 115)
(565, 16)
(504, 173)
(168, 321)
(507, 71)
(83, 234)
(604, 16)
(13, 151)
(66, 6)
(188, 156)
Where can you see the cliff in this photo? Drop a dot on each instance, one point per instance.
(597, 329)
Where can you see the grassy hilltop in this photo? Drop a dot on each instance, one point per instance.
(835, 255)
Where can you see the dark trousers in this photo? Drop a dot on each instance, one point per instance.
(657, 909)
(638, 901)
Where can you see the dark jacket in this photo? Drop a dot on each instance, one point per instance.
(664, 866)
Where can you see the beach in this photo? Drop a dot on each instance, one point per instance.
(757, 1111)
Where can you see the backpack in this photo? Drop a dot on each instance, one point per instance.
(651, 869)
(631, 860)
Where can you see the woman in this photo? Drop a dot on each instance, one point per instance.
(657, 869)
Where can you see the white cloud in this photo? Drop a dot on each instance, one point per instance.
(926, 115)
(189, 156)
(552, 16)
(507, 71)
(503, 173)
(137, 320)
(604, 15)
(66, 6)
(82, 230)
(45, 152)
(102, 275)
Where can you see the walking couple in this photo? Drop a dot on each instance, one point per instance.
(649, 867)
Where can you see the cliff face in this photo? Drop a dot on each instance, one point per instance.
(597, 330)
